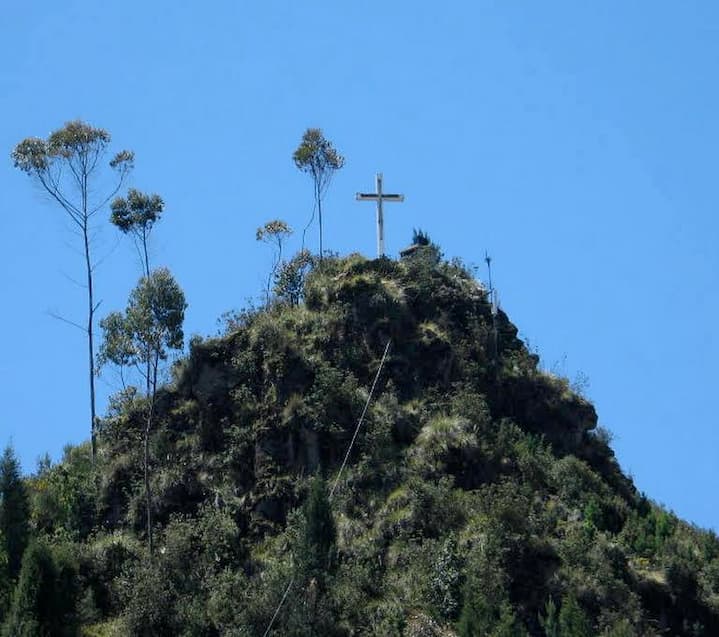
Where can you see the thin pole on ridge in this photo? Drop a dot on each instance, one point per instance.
(494, 301)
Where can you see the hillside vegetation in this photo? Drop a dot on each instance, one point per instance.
(480, 497)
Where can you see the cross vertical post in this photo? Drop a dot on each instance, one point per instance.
(380, 197)
(380, 216)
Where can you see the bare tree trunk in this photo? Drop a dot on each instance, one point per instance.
(151, 386)
(90, 336)
(144, 248)
(318, 196)
(148, 494)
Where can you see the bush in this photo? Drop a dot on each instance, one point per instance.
(64, 495)
(150, 598)
(446, 581)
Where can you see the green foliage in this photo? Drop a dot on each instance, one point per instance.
(150, 326)
(14, 511)
(64, 495)
(623, 628)
(473, 499)
(142, 336)
(77, 142)
(149, 601)
(67, 160)
(420, 238)
(5, 582)
(572, 619)
(44, 598)
(274, 233)
(507, 624)
(316, 552)
(648, 533)
(549, 621)
(68, 166)
(446, 580)
(482, 615)
(317, 157)
(137, 213)
(290, 277)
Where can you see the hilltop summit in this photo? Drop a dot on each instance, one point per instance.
(480, 497)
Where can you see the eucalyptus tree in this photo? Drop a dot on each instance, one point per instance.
(317, 157)
(273, 233)
(136, 215)
(70, 167)
(142, 337)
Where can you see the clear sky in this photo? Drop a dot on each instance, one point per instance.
(575, 141)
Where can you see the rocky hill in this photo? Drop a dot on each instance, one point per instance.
(479, 498)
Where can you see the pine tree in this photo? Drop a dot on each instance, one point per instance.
(507, 624)
(476, 617)
(550, 621)
(44, 599)
(315, 560)
(5, 585)
(319, 535)
(14, 511)
(572, 619)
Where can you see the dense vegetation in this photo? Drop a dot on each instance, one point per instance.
(480, 497)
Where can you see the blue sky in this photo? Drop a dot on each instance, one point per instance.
(576, 142)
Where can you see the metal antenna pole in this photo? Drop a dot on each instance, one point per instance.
(488, 259)
(494, 308)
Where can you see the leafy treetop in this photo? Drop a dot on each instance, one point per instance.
(317, 156)
(137, 212)
(151, 324)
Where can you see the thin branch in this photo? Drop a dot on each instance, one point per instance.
(102, 259)
(309, 223)
(105, 201)
(74, 249)
(53, 190)
(68, 321)
(77, 173)
(99, 152)
(143, 374)
(69, 278)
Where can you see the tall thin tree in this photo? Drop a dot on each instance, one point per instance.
(317, 157)
(141, 337)
(274, 234)
(69, 166)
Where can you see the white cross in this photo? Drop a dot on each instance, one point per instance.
(379, 197)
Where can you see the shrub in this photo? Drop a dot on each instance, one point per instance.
(150, 597)
(446, 580)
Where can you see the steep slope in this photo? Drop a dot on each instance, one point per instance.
(479, 497)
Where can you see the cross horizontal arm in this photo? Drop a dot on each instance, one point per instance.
(368, 196)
